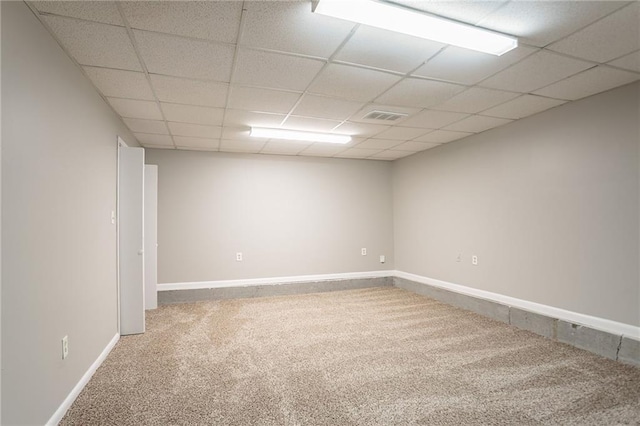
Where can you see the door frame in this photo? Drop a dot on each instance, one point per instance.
(121, 143)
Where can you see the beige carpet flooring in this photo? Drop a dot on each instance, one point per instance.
(379, 356)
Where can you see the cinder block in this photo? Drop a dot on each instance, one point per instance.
(483, 307)
(171, 297)
(629, 351)
(418, 288)
(242, 292)
(487, 308)
(539, 324)
(596, 341)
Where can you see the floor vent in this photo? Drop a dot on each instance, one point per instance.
(384, 116)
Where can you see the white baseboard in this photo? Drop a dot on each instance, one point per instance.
(66, 404)
(272, 280)
(601, 324)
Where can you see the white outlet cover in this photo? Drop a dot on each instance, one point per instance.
(239, 257)
(364, 251)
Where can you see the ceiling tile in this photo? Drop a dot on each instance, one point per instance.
(189, 18)
(199, 143)
(401, 133)
(470, 11)
(121, 84)
(323, 150)
(248, 146)
(169, 55)
(275, 71)
(467, 66)
(91, 43)
(523, 106)
(146, 126)
(195, 130)
(324, 107)
(292, 27)
(432, 119)
(136, 109)
(616, 35)
(387, 50)
(416, 92)
(442, 136)
(262, 100)
(155, 140)
(476, 124)
(588, 83)
(238, 117)
(541, 22)
(536, 71)
(391, 155)
(284, 148)
(343, 81)
(98, 11)
(476, 99)
(357, 153)
(379, 144)
(192, 114)
(629, 62)
(180, 90)
(310, 124)
(361, 129)
(415, 146)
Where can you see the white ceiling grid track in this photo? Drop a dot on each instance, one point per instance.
(198, 75)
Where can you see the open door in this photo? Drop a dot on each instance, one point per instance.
(150, 236)
(131, 238)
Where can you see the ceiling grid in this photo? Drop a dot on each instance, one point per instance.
(198, 75)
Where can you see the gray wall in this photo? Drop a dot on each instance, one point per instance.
(549, 204)
(58, 243)
(0, 221)
(288, 215)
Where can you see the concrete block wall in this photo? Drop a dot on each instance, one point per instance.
(240, 292)
(609, 345)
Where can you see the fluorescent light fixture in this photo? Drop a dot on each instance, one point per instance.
(296, 135)
(396, 18)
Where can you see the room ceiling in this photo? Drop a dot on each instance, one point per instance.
(196, 75)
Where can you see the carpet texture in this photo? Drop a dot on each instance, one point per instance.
(377, 356)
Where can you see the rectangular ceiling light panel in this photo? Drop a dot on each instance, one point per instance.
(407, 21)
(295, 135)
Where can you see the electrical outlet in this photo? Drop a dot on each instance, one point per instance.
(65, 347)
(364, 251)
(474, 260)
(459, 258)
(239, 257)
(382, 258)
(113, 217)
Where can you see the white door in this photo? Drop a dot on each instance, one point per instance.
(150, 236)
(131, 239)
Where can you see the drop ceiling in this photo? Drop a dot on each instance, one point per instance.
(197, 75)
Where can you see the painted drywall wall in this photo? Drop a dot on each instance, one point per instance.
(289, 216)
(549, 204)
(58, 243)
(0, 220)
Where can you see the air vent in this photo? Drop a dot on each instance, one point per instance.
(384, 116)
